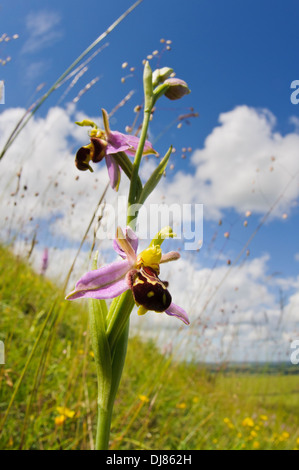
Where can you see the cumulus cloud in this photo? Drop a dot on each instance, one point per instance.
(36, 69)
(245, 164)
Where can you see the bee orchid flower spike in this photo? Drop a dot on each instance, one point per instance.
(134, 277)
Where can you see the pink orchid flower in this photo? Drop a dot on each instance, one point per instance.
(105, 144)
(136, 272)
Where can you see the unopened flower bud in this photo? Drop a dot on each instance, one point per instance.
(177, 88)
(160, 75)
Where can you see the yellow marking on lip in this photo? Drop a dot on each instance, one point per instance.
(150, 294)
(142, 310)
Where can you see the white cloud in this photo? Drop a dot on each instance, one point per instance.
(44, 31)
(294, 120)
(36, 69)
(244, 165)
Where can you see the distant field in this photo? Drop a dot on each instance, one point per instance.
(48, 385)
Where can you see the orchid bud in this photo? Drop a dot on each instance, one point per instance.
(148, 87)
(177, 88)
(160, 75)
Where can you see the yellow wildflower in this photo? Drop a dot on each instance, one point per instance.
(143, 398)
(264, 417)
(228, 423)
(284, 436)
(181, 406)
(59, 420)
(248, 422)
(256, 445)
(65, 412)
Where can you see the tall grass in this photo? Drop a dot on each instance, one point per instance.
(162, 403)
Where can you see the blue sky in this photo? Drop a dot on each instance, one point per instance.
(232, 52)
(239, 59)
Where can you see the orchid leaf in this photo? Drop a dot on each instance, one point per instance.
(155, 177)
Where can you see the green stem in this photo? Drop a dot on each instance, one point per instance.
(127, 166)
(148, 106)
(103, 427)
(97, 318)
(105, 415)
(137, 160)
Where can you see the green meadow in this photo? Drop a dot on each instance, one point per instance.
(48, 384)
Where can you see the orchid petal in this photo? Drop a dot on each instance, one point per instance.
(108, 292)
(118, 142)
(113, 172)
(176, 311)
(148, 149)
(99, 280)
(170, 256)
(125, 245)
(132, 238)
